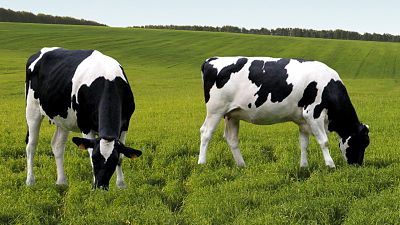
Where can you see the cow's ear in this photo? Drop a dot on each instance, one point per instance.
(128, 152)
(84, 143)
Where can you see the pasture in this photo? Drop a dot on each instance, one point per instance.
(165, 184)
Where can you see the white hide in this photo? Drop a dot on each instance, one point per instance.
(106, 148)
(343, 146)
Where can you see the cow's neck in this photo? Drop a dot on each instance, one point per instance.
(341, 113)
(109, 112)
(343, 120)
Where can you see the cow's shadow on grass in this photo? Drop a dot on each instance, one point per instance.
(292, 171)
(268, 153)
(304, 173)
(300, 174)
(380, 163)
(62, 190)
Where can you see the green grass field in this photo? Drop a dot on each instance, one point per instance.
(165, 185)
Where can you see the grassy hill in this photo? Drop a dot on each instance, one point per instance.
(162, 47)
(165, 185)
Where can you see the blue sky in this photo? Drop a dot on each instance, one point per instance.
(381, 16)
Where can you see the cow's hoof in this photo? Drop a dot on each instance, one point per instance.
(303, 164)
(331, 165)
(62, 182)
(201, 161)
(121, 184)
(30, 181)
(241, 164)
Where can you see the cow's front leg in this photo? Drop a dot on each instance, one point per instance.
(58, 147)
(323, 143)
(318, 129)
(90, 135)
(120, 175)
(304, 141)
(231, 134)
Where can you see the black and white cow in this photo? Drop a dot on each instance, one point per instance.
(272, 90)
(82, 91)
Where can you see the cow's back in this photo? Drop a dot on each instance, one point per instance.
(70, 86)
(262, 90)
(49, 74)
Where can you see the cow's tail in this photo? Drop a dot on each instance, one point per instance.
(27, 84)
(209, 75)
(205, 65)
(204, 78)
(202, 70)
(29, 70)
(26, 98)
(27, 77)
(26, 101)
(27, 136)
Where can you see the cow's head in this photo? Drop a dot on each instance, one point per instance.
(353, 147)
(105, 156)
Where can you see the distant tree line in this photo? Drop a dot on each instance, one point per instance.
(291, 32)
(8, 15)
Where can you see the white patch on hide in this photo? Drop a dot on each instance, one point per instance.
(344, 146)
(106, 148)
(42, 52)
(95, 66)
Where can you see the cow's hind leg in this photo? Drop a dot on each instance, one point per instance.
(231, 134)
(304, 141)
(58, 147)
(120, 175)
(33, 119)
(206, 131)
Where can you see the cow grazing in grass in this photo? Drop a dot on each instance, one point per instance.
(82, 91)
(271, 90)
